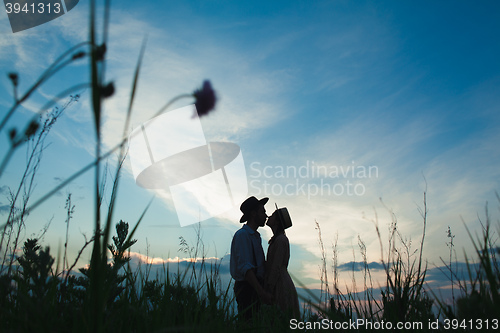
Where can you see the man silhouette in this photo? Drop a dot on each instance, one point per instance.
(247, 259)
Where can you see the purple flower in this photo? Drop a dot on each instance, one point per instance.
(205, 99)
(32, 128)
(100, 51)
(108, 90)
(12, 134)
(14, 78)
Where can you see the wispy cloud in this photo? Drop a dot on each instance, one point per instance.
(187, 268)
(172, 67)
(337, 92)
(4, 209)
(139, 258)
(360, 266)
(4, 189)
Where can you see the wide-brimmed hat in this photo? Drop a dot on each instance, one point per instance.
(284, 217)
(249, 205)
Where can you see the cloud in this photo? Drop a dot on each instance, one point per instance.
(410, 157)
(440, 276)
(4, 209)
(145, 259)
(186, 263)
(170, 67)
(191, 270)
(437, 284)
(360, 266)
(322, 93)
(4, 189)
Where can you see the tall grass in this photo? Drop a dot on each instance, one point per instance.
(34, 290)
(405, 297)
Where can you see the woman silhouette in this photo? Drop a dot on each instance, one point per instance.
(277, 280)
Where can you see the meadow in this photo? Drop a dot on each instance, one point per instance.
(43, 292)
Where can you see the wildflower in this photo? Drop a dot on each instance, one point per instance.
(100, 51)
(14, 78)
(108, 90)
(32, 128)
(205, 99)
(12, 134)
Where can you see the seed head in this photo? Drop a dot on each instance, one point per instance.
(108, 90)
(14, 78)
(32, 128)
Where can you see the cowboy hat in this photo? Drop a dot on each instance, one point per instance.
(249, 205)
(284, 217)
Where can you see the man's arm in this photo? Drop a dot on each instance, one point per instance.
(252, 279)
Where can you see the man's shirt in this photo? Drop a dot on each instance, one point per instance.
(246, 253)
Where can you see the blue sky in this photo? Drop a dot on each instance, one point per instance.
(410, 88)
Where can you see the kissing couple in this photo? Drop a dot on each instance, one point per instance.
(258, 279)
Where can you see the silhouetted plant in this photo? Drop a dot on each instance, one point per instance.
(112, 279)
(35, 276)
(110, 297)
(480, 295)
(19, 198)
(121, 244)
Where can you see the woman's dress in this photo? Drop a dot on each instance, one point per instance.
(277, 280)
